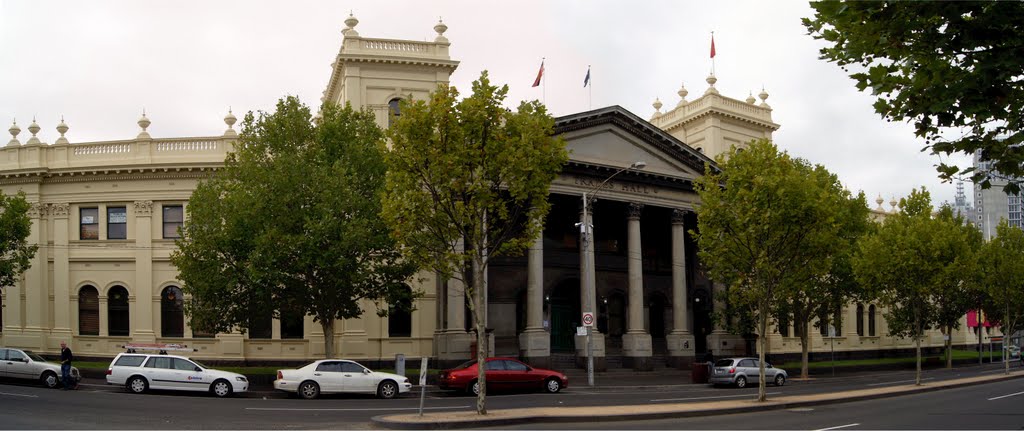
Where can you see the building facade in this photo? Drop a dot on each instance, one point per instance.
(105, 215)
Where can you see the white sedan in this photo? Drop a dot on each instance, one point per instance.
(331, 376)
(23, 364)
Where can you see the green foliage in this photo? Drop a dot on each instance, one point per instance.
(951, 68)
(467, 181)
(15, 226)
(773, 229)
(292, 224)
(1002, 274)
(920, 267)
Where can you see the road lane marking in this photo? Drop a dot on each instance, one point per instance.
(19, 395)
(838, 427)
(1005, 396)
(900, 381)
(711, 398)
(354, 410)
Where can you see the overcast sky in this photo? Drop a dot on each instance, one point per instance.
(99, 63)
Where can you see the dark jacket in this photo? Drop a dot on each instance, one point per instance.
(65, 356)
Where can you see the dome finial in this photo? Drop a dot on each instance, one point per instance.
(440, 28)
(62, 129)
(892, 203)
(711, 80)
(750, 99)
(230, 121)
(764, 97)
(34, 129)
(682, 94)
(14, 130)
(143, 123)
(350, 23)
(879, 201)
(657, 108)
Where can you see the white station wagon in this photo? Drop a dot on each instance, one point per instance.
(140, 372)
(330, 376)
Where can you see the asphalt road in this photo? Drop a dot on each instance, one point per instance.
(994, 406)
(99, 406)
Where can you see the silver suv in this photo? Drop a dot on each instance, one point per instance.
(740, 371)
(140, 372)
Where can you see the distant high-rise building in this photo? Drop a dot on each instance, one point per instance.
(962, 206)
(994, 204)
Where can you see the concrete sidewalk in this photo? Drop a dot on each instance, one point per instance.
(505, 417)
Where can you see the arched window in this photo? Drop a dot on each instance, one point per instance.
(394, 110)
(860, 320)
(400, 316)
(172, 312)
(783, 324)
(261, 327)
(117, 312)
(871, 320)
(293, 325)
(88, 311)
(837, 321)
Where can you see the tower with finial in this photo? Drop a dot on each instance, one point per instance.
(713, 122)
(378, 73)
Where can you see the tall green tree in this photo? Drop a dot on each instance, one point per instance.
(15, 225)
(951, 68)
(823, 289)
(956, 289)
(468, 181)
(1002, 275)
(762, 218)
(920, 268)
(291, 225)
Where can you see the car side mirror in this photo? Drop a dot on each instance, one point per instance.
(768, 365)
(365, 371)
(197, 369)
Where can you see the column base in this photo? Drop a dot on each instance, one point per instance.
(147, 337)
(681, 351)
(352, 345)
(29, 339)
(598, 351)
(452, 348)
(723, 344)
(233, 344)
(637, 351)
(535, 347)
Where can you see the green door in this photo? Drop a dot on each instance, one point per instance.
(562, 330)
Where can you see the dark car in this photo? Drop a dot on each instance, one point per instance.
(502, 374)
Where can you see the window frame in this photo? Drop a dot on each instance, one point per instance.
(123, 224)
(95, 224)
(176, 224)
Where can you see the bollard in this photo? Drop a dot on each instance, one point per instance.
(400, 364)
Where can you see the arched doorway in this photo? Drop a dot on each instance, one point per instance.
(656, 315)
(172, 313)
(565, 315)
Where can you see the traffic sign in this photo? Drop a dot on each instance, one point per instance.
(588, 319)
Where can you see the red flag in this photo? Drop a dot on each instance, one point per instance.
(712, 45)
(540, 74)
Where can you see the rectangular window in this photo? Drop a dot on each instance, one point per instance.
(90, 224)
(117, 223)
(174, 216)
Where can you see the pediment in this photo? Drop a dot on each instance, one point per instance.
(613, 138)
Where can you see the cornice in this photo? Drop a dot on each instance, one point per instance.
(111, 174)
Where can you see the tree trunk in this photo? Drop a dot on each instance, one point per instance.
(917, 346)
(949, 347)
(479, 310)
(762, 340)
(805, 348)
(1006, 336)
(328, 327)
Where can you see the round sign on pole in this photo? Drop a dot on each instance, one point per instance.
(588, 319)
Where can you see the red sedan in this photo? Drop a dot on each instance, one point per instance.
(502, 373)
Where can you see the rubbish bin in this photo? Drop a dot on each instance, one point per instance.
(699, 372)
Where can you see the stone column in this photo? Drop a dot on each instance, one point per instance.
(62, 277)
(588, 252)
(12, 310)
(534, 341)
(143, 315)
(354, 341)
(36, 289)
(680, 341)
(452, 346)
(721, 342)
(636, 342)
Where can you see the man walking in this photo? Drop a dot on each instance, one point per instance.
(65, 365)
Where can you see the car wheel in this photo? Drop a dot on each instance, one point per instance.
(387, 389)
(221, 388)
(552, 385)
(137, 384)
(741, 382)
(50, 379)
(309, 390)
(474, 388)
(780, 380)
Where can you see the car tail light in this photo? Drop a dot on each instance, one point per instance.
(732, 370)
(279, 375)
(110, 371)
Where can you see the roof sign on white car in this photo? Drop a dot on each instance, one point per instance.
(163, 348)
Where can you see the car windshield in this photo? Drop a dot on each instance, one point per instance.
(465, 365)
(34, 356)
(723, 363)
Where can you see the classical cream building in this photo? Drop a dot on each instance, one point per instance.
(105, 215)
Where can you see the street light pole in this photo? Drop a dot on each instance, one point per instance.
(587, 269)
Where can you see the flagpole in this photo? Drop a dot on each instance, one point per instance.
(590, 90)
(543, 83)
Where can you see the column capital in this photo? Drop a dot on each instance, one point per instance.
(38, 210)
(143, 208)
(633, 213)
(678, 214)
(60, 210)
